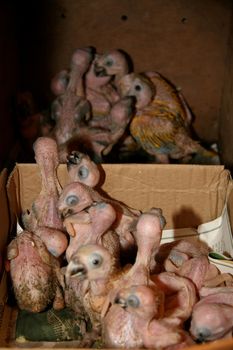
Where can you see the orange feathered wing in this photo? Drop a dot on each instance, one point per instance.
(155, 128)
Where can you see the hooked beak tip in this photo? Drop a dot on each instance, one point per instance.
(121, 302)
(77, 271)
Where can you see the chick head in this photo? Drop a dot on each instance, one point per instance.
(113, 63)
(142, 301)
(92, 262)
(81, 168)
(138, 86)
(74, 198)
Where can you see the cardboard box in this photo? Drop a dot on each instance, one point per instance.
(196, 200)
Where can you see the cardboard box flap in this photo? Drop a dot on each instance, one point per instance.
(13, 193)
(229, 203)
(182, 191)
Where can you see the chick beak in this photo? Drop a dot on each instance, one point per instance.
(73, 159)
(121, 302)
(75, 270)
(99, 71)
(64, 213)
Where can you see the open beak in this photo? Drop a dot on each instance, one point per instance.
(99, 71)
(64, 213)
(74, 158)
(121, 302)
(76, 270)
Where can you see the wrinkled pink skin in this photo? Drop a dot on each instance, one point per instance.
(33, 272)
(223, 279)
(125, 220)
(108, 131)
(56, 241)
(82, 169)
(180, 295)
(71, 108)
(99, 277)
(101, 136)
(89, 229)
(70, 111)
(198, 270)
(119, 324)
(92, 281)
(73, 294)
(165, 91)
(118, 330)
(147, 235)
(187, 249)
(43, 218)
(206, 291)
(99, 101)
(212, 316)
(161, 335)
(135, 320)
(97, 140)
(118, 68)
(189, 260)
(74, 198)
(43, 211)
(99, 91)
(80, 63)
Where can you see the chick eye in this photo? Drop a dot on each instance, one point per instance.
(96, 260)
(83, 172)
(72, 200)
(133, 301)
(138, 87)
(109, 63)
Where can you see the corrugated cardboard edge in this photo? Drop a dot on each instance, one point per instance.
(13, 194)
(153, 189)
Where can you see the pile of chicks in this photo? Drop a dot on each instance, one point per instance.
(83, 250)
(112, 114)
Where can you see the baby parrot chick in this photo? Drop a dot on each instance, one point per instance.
(159, 129)
(43, 219)
(34, 273)
(141, 322)
(94, 267)
(77, 197)
(81, 168)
